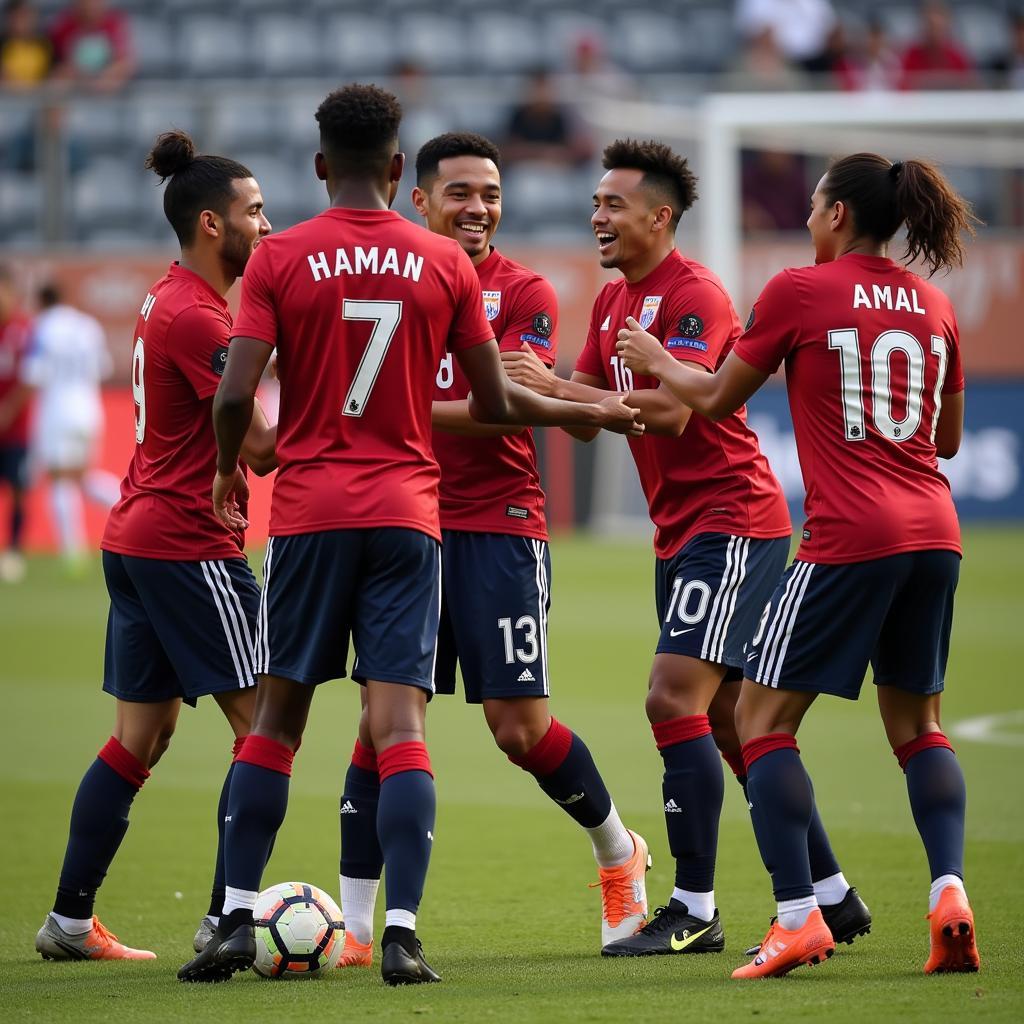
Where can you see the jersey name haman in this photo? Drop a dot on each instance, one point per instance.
(366, 260)
(887, 297)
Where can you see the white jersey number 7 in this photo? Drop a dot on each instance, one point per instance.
(386, 317)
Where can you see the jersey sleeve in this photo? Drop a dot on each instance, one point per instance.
(699, 323)
(590, 360)
(197, 343)
(954, 381)
(469, 324)
(257, 312)
(533, 320)
(773, 328)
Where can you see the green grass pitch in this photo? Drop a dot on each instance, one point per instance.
(508, 918)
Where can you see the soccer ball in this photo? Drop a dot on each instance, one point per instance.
(299, 931)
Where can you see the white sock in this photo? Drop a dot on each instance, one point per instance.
(238, 899)
(793, 914)
(400, 919)
(214, 919)
(101, 487)
(69, 516)
(939, 884)
(832, 890)
(613, 845)
(73, 925)
(699, 904)
(358, 898)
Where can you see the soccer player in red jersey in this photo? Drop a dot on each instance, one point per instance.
(14, 415)
(722, 529)
(361, 305)
(183, 600)
(494, 530)
(876, 390)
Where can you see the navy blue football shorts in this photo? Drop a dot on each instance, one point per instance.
(826, 623)
(711, 595)
(380, 586)
(178, 629)
(494, 615)
(14, 465)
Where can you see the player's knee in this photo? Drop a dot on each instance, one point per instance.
(160, 745)
(515, 738)
(666, 699)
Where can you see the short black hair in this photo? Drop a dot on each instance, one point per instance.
(197, 181)
(666, 174)
(359, 129)
(452, 144)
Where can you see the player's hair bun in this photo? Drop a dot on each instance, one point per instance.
(173, 152)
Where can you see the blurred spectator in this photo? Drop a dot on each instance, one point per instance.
(800, 27)
(65, 365)
(1010, 66)
(775, 193)
(542, 130)
(936, 61)
(92, 46)
(14, 414)
(873, 66)
(592, 75)
(25, 53)
(762, 67)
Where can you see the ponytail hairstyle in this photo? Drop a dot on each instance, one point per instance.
(883, 195)
(197, 182)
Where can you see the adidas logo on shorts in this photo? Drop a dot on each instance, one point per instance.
(347, 808)
(672, 807)
(526, 676)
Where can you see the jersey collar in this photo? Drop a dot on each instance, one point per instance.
(184, 274)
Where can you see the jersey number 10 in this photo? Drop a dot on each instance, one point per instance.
(847, 343)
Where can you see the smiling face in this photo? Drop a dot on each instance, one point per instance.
(463, 201)
(631, 226)
(244, 225)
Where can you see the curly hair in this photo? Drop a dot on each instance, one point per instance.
(197, 181)
(451, 144)
(359, 127)
(666, 174)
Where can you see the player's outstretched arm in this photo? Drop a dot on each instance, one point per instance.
(660, 412)
(497, 399)
(949, 431)
(454, 418)
(232, 415)
(258, 448)
(714, 395)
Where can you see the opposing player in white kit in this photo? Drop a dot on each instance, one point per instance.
(66, 364)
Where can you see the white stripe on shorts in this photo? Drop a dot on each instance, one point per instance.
(262, 626)
(236, 615)
(542, 616)
(791, 624)
(228, 632)
(725, 600)
(768, 664)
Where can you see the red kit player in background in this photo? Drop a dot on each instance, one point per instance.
(183, 600)
(875, 387)
(361, 305)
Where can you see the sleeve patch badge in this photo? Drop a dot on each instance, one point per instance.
(695, 344)
(492, 304)
(536, 339)
(690, 326)
(218, 361)
(542, 325)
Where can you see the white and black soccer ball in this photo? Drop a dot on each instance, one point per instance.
(299, 931)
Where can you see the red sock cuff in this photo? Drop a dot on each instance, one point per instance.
(735, 762)
(365, 758)
(926, 741)
(236, 747)
(547, 755)
(680, 730)
(404, 757)
(756, 749)
(124, 762)
(266, 753)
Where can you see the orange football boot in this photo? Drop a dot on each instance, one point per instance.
(783, 950)
(356, 953)
(53, 943)
(952, 935)
(624, 894)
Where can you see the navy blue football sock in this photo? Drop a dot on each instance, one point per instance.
(99, 821)
(405, 822)
(257, 803)
(564, 769)
(361, 855)
(692, 788)
(938, 799)
(819, 850)
(781, 808)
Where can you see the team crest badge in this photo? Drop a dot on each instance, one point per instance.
(649, 310)
(492, 303)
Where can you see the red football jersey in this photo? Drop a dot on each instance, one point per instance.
(361, 305)
(14, 341)
(712, 479)
(869, 349)
(178, 357)
(491, 484)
